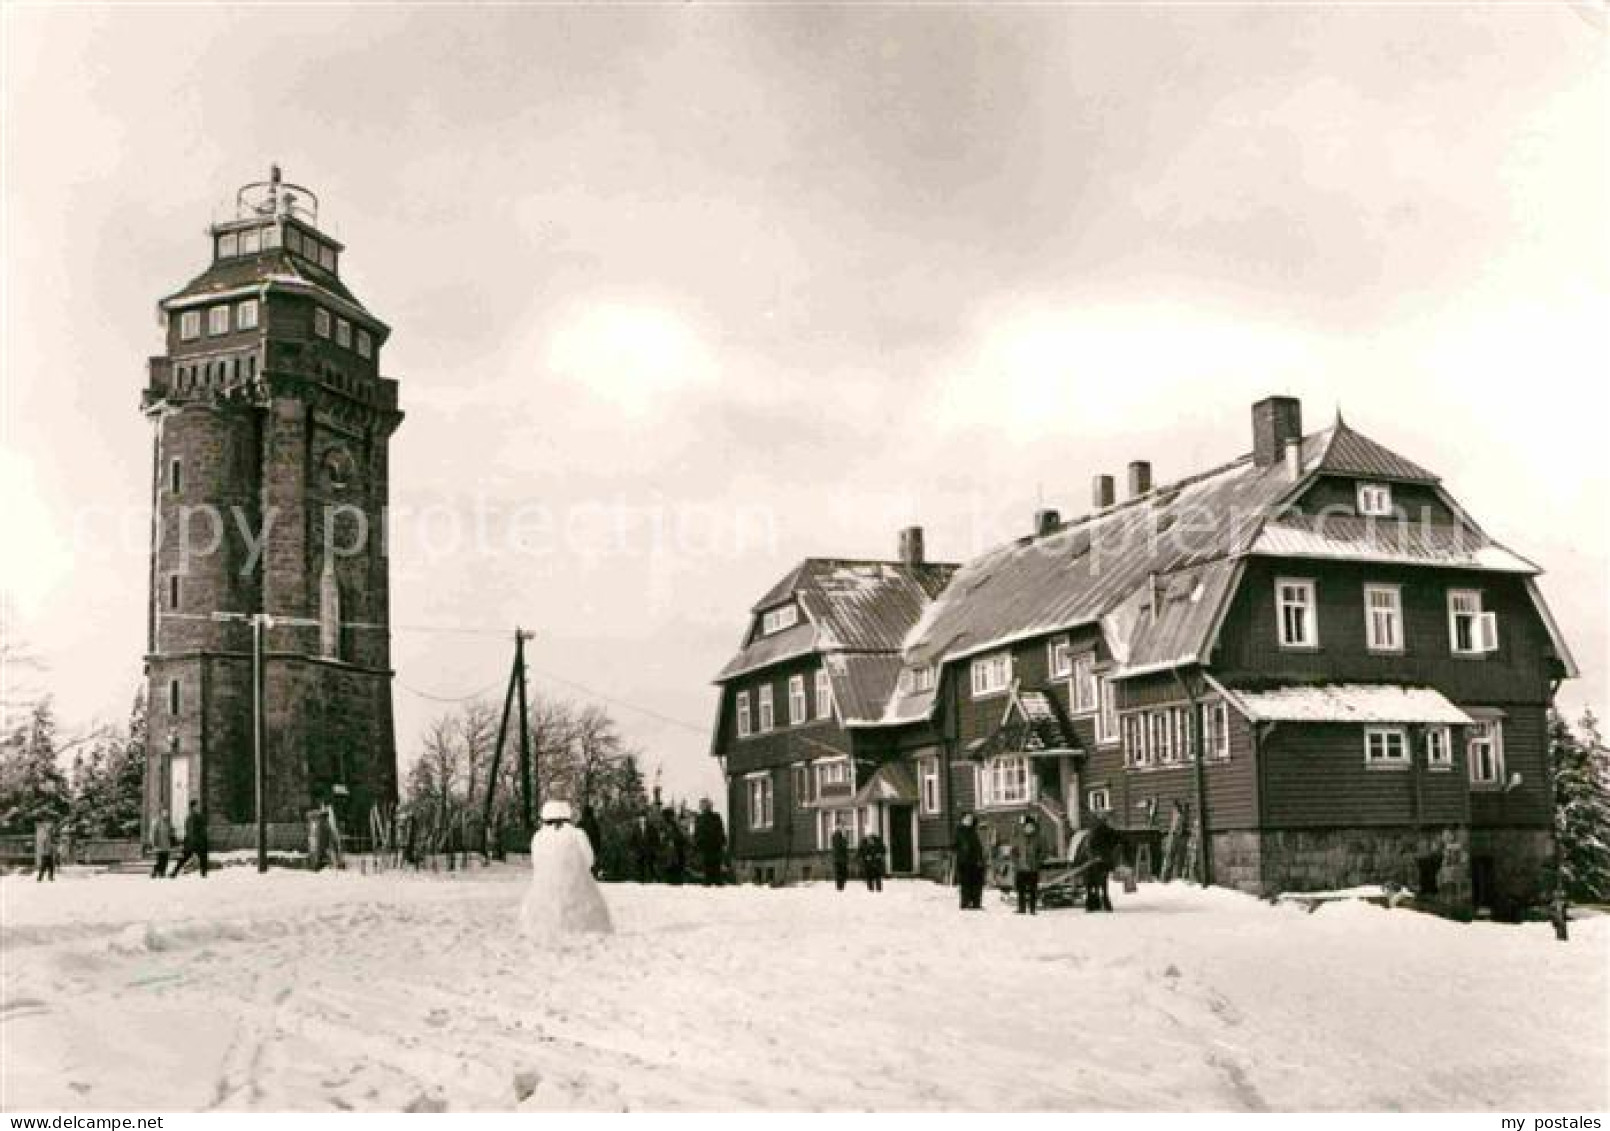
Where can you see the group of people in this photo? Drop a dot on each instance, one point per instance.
(661, 850)
(1027, 859)
(870, 852)
(192, 846)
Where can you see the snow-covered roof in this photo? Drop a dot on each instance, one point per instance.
(1350, 538)
(1348, 703)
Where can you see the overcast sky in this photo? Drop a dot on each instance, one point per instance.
(777, 281)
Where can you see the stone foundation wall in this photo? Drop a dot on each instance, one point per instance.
(1523, 860)
(1238, 860)
(1325, 859)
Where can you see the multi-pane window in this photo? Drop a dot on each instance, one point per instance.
(928, 784)
(991, 674)
(1385, 746)
(1294, 608)
(366, 344)
(1215, 736)
(1162, 735)
(744, 728)
(1106, 712)
(327, 257)
(797, 712)
(766, 719)
(250, 241)
(271, 236)
(833, 777)
(246, 315)
(800, 776)
(829, 821)
(1471, 630)
(1439, 747)
(1137, 740)
(217, 320)
(1058, 657)
(190, 325)
(760, 800)
(1374, 499)
(914, 680)
(1099, 800)
(775, 620)
(1485, 751)
(343, 333)
(1085, 694)
(1383, 617)
(228, 246)
(1005, 781)
(321, 322)
(824, 694)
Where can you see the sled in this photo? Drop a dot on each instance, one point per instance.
(1062, 880)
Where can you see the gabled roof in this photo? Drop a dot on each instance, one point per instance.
(863, 684)
(1351, 453)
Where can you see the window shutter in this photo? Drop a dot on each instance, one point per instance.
(1487, 632)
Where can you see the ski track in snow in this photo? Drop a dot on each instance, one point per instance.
(418, 992)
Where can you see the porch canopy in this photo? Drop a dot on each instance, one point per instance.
(891, 784)
(1032, 727)
(1350, 703)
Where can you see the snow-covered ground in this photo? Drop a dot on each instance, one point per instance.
(331, 991)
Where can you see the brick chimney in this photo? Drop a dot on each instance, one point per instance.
(1275, 422)
(911, 546)
(1101, 492)
(1045, 521)
(1140, 478)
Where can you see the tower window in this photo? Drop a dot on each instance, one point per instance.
(321, 322)
(251, 240)
(343, 333)
(173, 591)
(366, 344)
(217, 320)
(175, 475)
(246, 315)
(271, 236)
(293, 240)
(190, 325)
(173, 697)
(228, 246)
(327, 257)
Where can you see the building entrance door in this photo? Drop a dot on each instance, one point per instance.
(902, 851)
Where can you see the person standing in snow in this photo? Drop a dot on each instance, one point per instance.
(841, 857)
(45, 850)
(645, 848)
(564, 898)
(970, 864)
(595, 835)
(872, 861)
(1103, 851)
(161, 843)
(195, 841)
(1027, 856)
(710, 841)
(673, 848)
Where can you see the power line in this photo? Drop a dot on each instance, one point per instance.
(649, 711)
(448, 698)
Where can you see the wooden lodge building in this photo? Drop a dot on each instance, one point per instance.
(1313, 645)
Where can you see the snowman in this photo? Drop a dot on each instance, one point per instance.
(563, 899)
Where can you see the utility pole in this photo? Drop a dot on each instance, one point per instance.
(527, 762)
(260, 623)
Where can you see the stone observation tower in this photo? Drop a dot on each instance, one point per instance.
(268, 489)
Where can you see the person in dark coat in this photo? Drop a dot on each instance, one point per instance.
(645, 848)
(872, 861)
(1027, 856)
(45, 850)
(841, 858)
(588, 824)
(673, 848)
(710, 841)
(970, 864)
(161, 843)
(195, 841)
(1103, 854)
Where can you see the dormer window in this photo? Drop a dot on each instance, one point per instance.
(366, 344)
(321, 322)
(915, 680)
(775, 620)
(1375, 500)
(991, 674)
(217, 321)
(251, 241)
(228, 245)
(190, 325)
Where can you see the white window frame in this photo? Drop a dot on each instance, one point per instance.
(366, 343)
(991, 675)
(832, 771)
(1389, 615)
(251, 241)
(1483, 624)
(1488, 729)
(824, 694)
(321, 322)
(1375, 500)
(1106, 712)
(758, 788)
(343, 333)
(1310, 606)
(768, 714)
(218, 320)
(1215, 729)
(1439, 748)
(1006, 780)
(1385, 735)
(1137, 728)
(228, 245)
(928, 785)
(827, 820)
(189, 325)
(1161, 724)
(246, 314)
(1084, 694)
(798, 709)
(745, 723)
(1059, 657)
(775, 620)
(799, 778)
(271, 237)
(916, 680)
(1098, 799)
